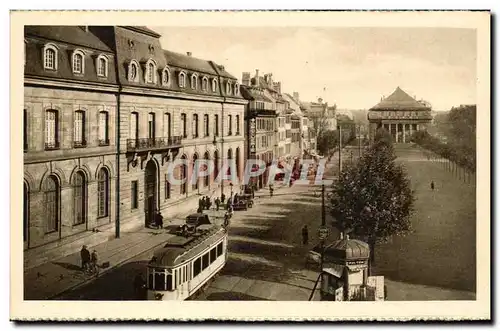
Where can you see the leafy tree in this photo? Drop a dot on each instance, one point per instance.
(373, 198)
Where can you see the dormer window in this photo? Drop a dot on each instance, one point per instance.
(133, 71)
(214, 85)
(102, 66)
(182, 79)
(50, 57)
(228, 88)
(194, 82)
(236, 89)
(78, 62)
(165, 79)
(204, 84)
(150, 76)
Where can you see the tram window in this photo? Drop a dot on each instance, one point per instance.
(219, 249)
(169, 282)
(197, 267)
(159, 281)
(184, 277)
(206, 262)
(176, 277)
(213, 254)
(150, 281)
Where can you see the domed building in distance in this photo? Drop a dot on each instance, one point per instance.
(400, 114)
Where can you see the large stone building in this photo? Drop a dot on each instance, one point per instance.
(106, 111)
(400, 115)
(70, 137)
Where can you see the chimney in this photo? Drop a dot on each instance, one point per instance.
(271, 79)
(296, 96)
(257, 78)
(189, 53)
(277, 86)
(245, 79)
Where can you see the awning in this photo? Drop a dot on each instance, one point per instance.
(334, 270)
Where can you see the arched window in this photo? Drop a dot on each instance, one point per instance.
(182, 79)
(26, 212)
(228, 88)
(194, 82)
(193, 169)
(165, 79)
(183, 175)
(236, 89)
(206, 179)
(204, 84)
(102, 66)
(79, 198)
(103, 193)
(214, 85)
(51, 191)
(150, 72)
(133, 71)
(51, 129)
(78, 62)
(50, 57)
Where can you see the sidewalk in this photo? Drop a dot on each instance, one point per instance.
(50, 279)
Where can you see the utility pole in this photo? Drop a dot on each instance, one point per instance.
(340, 150)
(359, 140)
(323, 222)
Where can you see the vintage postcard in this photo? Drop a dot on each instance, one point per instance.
(250, 165)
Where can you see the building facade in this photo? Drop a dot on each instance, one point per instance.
(260, 125)
(107, 111)
(70, 145)
(399, 114)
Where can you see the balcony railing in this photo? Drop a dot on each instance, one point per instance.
(51, 145)
(374, 115)
(103, 142)
(153, 143)
(79, 144)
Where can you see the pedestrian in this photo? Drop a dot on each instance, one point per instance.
(228, 204)
(209, 203)
(200, 203)
(305, 235)
(85, 256)
(159, 220)
(432, 185)
(223, 197)
(217, 203)
(271, 190)
(94, 259)
(139, 286)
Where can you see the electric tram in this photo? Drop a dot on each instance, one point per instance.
(185, 264)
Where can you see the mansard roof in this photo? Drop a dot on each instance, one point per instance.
(69, 34)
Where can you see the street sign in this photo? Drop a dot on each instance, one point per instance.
(323, 232)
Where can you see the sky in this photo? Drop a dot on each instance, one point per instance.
(350, 67)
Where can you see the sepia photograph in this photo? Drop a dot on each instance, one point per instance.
(269, 158)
